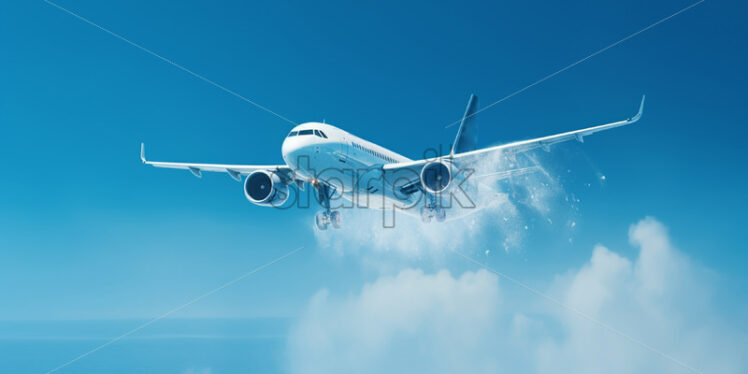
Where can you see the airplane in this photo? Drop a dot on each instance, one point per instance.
(339, 165)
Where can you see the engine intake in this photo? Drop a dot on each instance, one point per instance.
(265, 188)
(436, 176)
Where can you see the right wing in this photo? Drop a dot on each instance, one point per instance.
(235, 171)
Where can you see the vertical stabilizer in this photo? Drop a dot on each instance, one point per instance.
(467, 134)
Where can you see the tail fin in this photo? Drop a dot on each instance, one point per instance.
(467, 134)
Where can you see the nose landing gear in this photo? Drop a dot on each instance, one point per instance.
(436, 212)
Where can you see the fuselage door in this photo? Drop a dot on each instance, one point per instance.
(342, 149)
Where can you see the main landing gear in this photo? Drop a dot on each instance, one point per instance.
(325, 218)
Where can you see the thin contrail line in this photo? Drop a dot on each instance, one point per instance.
(170, 62)
(579, 313)
(227, 284)
(567, 67)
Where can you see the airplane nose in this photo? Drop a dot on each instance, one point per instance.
(286, 147)
(290, 149)
(297, 147)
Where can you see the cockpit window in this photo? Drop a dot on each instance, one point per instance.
(314, 132)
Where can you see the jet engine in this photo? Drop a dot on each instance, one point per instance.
(265, 188)
(436, 176)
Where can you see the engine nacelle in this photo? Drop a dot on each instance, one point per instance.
(436, 176)
(265, 188)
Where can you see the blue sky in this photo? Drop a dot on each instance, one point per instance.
(87, 232)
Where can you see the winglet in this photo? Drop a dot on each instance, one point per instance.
(142, 152)
(641, 111)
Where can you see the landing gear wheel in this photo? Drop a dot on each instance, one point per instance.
(321, 220)
(440, 215)
(335, 219)
(426, 214)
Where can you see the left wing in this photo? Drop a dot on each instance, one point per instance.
(466, 158)
(546, 141)
(235, 171)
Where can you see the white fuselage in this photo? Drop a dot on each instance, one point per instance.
(324, 152)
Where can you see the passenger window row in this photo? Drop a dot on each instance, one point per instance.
(375, 153)
(307, 132)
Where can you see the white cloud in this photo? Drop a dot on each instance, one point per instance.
(501, 214)
(412, 322)
(661, 298)
(416, 322)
